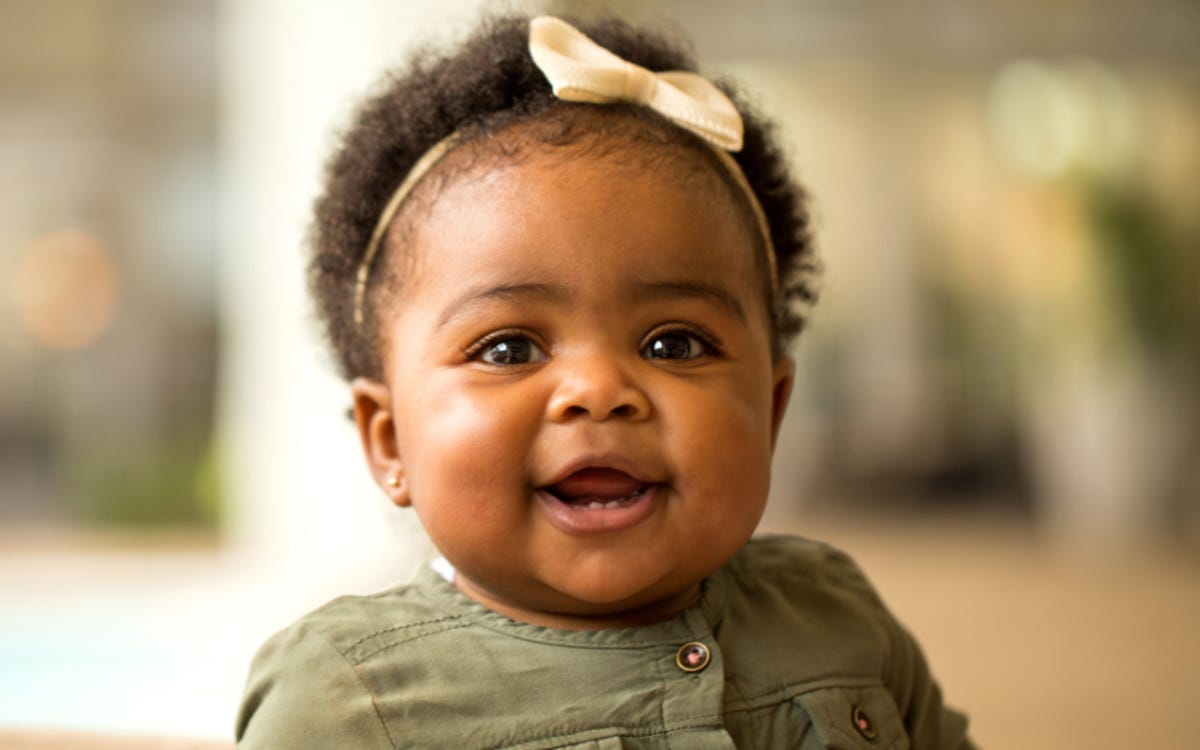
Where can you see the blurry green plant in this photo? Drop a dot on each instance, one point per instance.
(166, 485)
(1153, 273)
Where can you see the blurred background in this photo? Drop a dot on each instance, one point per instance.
(998, 409)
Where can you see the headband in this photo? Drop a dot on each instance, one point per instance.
(579, 70)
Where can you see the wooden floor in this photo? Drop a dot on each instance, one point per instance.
(30, 740)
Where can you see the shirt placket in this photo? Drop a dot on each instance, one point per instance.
(694, 684)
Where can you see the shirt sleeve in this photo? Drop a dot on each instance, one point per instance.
(930, 724)
(302, 692)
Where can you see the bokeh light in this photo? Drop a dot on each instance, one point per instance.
(1048, 117)
(66, 289)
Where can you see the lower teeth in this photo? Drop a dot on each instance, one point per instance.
(598, 505)
(595, 505)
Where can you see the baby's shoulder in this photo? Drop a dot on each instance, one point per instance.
(811, 597)
(799, 566)
(311, 683)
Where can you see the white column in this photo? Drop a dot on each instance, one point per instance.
(302, 512)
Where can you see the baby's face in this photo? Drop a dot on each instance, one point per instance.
(579, 389)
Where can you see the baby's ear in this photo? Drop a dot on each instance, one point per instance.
(377, 431)
(783, 376)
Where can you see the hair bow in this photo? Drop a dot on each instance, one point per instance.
(579, 70)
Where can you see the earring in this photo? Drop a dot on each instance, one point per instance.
(393, 480)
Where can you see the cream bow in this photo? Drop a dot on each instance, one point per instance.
(579, 70)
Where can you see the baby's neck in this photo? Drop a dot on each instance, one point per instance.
(658, 611)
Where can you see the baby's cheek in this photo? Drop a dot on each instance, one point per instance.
(725, 459)
(469, 439)
(727, 427)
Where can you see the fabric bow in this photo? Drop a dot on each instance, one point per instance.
(579, 70)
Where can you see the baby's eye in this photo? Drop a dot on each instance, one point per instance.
(511, 350)
(675, 345)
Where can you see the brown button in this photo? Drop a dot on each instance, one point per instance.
(692, 657)
(863, 723)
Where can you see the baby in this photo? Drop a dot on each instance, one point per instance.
(562, 288)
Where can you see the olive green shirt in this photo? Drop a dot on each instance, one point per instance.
(796, 651)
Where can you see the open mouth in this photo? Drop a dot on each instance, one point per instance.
(600, 500)
(598, 489)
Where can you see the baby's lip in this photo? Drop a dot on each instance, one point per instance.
(599, 476)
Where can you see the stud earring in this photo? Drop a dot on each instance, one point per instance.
(393, 480)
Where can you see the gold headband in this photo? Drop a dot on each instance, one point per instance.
(423, 165)
(579, 70)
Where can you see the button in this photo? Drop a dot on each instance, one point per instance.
(863, 723)
(692, 657)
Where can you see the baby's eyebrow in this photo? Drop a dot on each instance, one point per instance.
(518, 292)
(641, 291)
(713, 292)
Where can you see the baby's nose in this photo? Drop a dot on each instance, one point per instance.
(596, 387)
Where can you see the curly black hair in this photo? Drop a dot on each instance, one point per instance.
(489, 84)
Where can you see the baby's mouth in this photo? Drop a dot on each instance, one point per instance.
(598, 489)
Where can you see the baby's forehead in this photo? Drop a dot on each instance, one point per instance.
(520, 182)
(558, 219)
